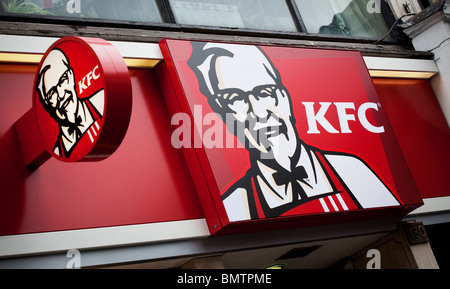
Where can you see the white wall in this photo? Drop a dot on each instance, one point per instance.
(434, 36)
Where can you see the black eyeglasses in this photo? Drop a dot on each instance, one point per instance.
(229, 96)
(49, 95)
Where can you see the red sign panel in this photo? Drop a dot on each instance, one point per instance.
(82, 99)
(277, 135)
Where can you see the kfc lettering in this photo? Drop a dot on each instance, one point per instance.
(90, 76)
(82, 99)
(318, 117)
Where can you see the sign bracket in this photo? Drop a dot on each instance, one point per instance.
(33, 153)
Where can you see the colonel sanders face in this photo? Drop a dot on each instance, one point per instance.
(56, 88)
(242, 82)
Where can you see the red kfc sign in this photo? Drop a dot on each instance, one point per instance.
(280, 134)
(82, 99)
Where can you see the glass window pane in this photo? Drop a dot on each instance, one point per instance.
(251, 14)
(130, 10)
(342, 17)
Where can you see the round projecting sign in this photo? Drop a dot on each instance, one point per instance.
(82, 99)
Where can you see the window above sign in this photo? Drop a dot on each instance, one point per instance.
(251, 14)
(130, 10)
(342, 18)
(356, 19)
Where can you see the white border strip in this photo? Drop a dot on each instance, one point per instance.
(37, 44)
(432, 206)
(400, 64)
(25, 44)
(41, 243)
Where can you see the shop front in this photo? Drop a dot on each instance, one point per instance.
(192, 152)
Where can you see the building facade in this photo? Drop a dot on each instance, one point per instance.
(365, 85)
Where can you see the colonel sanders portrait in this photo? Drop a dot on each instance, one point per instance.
(286, 175)
(76, 117)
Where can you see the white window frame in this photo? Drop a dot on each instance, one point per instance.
(399, 11)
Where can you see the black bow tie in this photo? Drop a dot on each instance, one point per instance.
(75, 127)
(284, 177)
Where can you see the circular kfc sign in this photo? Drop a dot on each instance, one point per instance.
(82, 99)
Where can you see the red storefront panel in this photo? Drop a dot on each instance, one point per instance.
(324, 100)
(145, 181)
(148, 180)
(421, 130)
